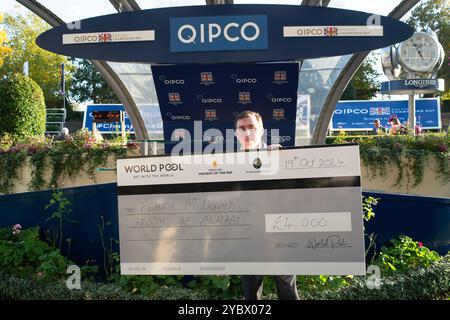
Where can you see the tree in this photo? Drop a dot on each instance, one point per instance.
(44, 66)
(364, 85)
(22, 107)
(4, 49)
(435, 15)
(88, 84)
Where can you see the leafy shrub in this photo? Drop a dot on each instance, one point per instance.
(405, 254)
(218, 287)
(175, 293)
(23, 253)
(68, 158)
(146, 285)
(409, 154)
(420, 283)
(31, 288)
(23, 107)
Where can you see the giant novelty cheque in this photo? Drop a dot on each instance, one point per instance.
(289, 211)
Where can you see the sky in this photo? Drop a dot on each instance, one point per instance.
(71, 12)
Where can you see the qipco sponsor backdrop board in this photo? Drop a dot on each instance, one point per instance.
(359, 115)
(293, 211)
(203, 100)
(150, 114)
(225, 33)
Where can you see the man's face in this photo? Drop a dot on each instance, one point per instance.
(249, 132)
(377, 124)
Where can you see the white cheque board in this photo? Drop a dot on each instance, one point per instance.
(289, 211)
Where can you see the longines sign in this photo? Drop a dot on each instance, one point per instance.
(293, 211)
(225, 33)
(405, 86)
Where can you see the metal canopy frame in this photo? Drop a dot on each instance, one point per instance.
(126, 98)
(344, 78)
(105, 70)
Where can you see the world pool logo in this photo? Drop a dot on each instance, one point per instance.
(218, 33)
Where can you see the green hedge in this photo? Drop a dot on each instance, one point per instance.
(22, 107)
(417, 284)
(420, 283)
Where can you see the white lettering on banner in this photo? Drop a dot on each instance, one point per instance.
(350, 111)
(180, 117)
(281, 100)
(280, 139)
(253, 80)
(214, 31)
(214, 100)
(420, 82)
(176, 81)
(106, 36)
(333, 31)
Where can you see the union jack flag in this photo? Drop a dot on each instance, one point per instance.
(179, 134)
(278, 113)
(380, 111)
(105, 37)
(206, 77)
(210, 113)
(244, 96)
(174, 97)
(280, 76)
(331, 31)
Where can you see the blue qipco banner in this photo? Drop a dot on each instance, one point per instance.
(359, 115)
(215, 94)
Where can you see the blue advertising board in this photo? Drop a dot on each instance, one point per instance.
(106, 127)
(149, 113)
(215, 94)
(359, 115)
(225, 33)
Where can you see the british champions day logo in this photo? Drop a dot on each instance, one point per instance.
(218, 33)
(280, 77)
(206, 78)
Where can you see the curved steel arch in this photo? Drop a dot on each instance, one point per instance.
(125, 5)
(105, 70)
(344, 78)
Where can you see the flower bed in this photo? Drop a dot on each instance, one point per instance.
(404, 164)
(40, 163)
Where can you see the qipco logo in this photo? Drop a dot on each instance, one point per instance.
(208, 100)
(217, 33)
(177, 117)
(278, 99)
(170, 81)
(243, 80)
(281, 139)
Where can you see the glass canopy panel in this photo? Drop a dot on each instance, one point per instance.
(381, 7)
(152, 4)
(138, 80)
(292, 2)
(316, 78)
(78, 10)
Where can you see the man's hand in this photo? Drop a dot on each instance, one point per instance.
(275, 146)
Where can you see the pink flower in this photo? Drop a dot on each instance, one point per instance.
(442, 147)
(16, 229)
(397, 146)
(420, 244)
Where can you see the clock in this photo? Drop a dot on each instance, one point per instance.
(420, 53)
(389, 62)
